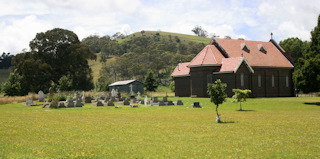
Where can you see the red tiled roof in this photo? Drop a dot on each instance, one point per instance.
(232, 64)
(208, 56)
(181, 70)
(271, 58)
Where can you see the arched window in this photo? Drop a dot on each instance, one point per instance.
(272, 81)
(259, 80)
(287, 81)
(242, 79)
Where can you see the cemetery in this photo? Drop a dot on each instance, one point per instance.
(270, 128)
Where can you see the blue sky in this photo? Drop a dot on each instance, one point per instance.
(20, 20)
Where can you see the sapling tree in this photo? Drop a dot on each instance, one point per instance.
(217, 95)
(240, 96)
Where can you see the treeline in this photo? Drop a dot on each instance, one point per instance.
(136, 55)
(306, 58)
(5, 60)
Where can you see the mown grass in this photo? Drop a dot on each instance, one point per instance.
(270, 128)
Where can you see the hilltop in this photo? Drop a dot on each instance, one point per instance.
(184, 38)
(185, 47)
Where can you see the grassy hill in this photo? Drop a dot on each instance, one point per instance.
(184, 38)
(96, 65)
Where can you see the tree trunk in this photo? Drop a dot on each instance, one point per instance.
(218, 116)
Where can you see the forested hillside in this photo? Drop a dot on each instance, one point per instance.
(134, 55)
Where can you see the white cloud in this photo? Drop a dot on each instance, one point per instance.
(21, 20)
(16, 36)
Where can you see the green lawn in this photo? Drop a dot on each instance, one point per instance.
(270, 128)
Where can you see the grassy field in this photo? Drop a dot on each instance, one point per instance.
(270, 128)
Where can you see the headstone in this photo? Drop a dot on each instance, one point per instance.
(78, 102)
(142, 102)
(113, 93)
(70, 102)
(54, 103)
(138, 96)
(83, 97)
(126, 102)
(170, 103)
(118, 94)
(41, 96)
(87, 100)
(196, 105)
(109, 103)
(155, 99)
(99, 103)
(51, 92)
(106, 99)
(134, 100)
(145, 100)
(161, 103)
(61, 105)
(58, 91)
(131, 91)
(92, 94)
(113, 99)
(151, 102)
(68, 98)
(47, 102)
(122, 98)
(102, 95)
(29, 102)
(179, 102)
(165, 99)
(97, 98)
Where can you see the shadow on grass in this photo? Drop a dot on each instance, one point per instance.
(227, 122)
(313, 103)
(246, 110)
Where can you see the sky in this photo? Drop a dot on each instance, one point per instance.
(21, 20)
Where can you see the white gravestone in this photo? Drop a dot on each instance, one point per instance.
(41, 96)
(138, 97)
(145, 101)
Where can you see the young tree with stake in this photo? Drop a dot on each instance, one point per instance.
(217, 95)
(240, 96)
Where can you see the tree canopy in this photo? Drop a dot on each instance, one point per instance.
(240, 96)
(199, 31)
(307, 73)
(54, 54)
(296, 47)
(5, 60)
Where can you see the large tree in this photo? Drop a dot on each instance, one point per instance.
(54, 54)
(307, 73)
(296, 47)
(198, 30)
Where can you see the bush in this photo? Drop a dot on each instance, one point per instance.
(12, 87)
(172, 86)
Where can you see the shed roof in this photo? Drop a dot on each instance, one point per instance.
(118, 83)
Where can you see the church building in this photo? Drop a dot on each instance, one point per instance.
(263, 67)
